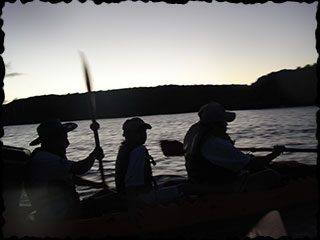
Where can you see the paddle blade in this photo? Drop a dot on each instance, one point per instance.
(171, 148)
(86, 72)
(92, 99)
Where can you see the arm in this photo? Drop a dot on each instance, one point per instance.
(257, 163)
(222, 153)
(85, 165)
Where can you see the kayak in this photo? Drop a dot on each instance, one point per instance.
(190, 212)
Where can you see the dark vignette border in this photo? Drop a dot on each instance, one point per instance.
(98, 2)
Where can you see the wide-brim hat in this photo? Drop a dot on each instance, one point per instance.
(51, 128)
(134, 124)
(214, 112)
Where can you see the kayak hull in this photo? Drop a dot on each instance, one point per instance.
(190, 211)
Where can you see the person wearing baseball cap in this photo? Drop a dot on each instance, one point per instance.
(133, 171)
(211, 156)
(51, 179)
(132, 150)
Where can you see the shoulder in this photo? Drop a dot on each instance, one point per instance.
(139, 150)
(45, 155)
(212, 143)
(216, 140)
(126, 149)
(194, 128)
(46, 158)
(218, 146)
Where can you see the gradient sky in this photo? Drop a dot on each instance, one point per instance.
(134, 44)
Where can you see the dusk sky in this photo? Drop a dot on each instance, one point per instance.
(136, 44)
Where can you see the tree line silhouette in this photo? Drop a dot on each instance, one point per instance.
(285, 88)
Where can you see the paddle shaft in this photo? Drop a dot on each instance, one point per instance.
(92, 106)
(285, 150)
(175, 148)
(97, 141)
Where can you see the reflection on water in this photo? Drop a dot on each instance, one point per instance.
(292, 127)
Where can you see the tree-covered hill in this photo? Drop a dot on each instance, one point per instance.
(286, 88)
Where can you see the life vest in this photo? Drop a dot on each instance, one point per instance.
(199, 169)
(122, 163)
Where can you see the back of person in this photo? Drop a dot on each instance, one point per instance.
(50, 188)
(122, 165)
(199, 169)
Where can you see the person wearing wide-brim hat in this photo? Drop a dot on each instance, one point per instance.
(52, 177)
(212, 158)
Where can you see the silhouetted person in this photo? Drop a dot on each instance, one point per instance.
(52, 177)
(133, 174)
(211, 157)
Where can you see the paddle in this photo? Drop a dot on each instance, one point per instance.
(175, 148)
(92, 106)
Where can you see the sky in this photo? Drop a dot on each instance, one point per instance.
(136, 44)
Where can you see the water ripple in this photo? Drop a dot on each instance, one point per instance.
(293, 127)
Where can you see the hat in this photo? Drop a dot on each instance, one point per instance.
(215, 112)
(134, 124)
(51, 128)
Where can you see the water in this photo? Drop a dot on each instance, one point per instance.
(292, 127)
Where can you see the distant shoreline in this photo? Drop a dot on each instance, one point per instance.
(285, 88)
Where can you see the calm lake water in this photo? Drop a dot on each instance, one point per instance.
(292, 127)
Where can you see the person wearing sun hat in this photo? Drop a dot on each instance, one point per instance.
(51, 178)
(210, 154)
